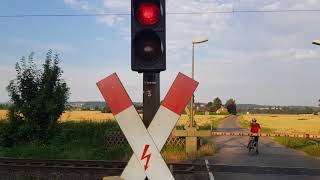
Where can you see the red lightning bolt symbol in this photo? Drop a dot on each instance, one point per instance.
(146, 147)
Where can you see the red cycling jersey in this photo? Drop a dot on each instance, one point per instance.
(255, 128)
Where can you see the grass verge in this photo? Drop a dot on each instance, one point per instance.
(84, 140)
(171, 153)
(73, 140)
(213, 125)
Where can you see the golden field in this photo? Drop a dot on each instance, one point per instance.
(86, 116)
(98, 116)
(288, 123)
(201, 120)
(3, 114)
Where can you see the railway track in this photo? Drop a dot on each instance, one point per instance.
(74, 169)
(12, 168)
(115, 166)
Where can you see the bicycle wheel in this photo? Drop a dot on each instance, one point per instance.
(250, 145)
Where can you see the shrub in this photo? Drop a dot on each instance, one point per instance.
(39, 97)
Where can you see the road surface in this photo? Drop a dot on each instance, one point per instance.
(257, 167)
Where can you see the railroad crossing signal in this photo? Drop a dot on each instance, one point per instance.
(148, 36)
(147, 144)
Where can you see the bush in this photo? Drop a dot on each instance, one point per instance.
(39, 97)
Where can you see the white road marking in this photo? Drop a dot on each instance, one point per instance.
(208, 168)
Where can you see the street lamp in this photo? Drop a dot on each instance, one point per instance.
(194, 41)
(316, 42)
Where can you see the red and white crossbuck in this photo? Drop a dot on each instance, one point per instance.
(147, 143)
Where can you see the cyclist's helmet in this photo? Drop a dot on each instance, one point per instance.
(253, 120)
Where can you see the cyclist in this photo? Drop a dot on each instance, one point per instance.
(255, 130)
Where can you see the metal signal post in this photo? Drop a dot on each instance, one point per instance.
(151, 96)
(148, 50)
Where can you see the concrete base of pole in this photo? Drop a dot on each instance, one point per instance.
(191, 141)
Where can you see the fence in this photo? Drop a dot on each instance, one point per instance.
(114, 139)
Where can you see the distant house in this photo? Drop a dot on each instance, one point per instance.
(222, 110)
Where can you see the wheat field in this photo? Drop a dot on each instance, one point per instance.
(3, 114)
(201, 120)
(288, 123)
(98, 116)
(86, 116)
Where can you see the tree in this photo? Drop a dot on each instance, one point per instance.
(209, 105)
(231, 106)
(106, 109)
(216, 104)
(96, 108)
(39, 97)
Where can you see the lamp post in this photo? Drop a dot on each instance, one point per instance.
(316, 42)
(194, 41)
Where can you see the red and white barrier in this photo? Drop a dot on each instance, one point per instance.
(146, 144)
(307, 136)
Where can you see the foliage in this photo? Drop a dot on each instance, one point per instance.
(106, 110)
(217, 103)
(173, 153)
(231, 106)
(258, 109)
(72, 140)
(305, 145)
(313, 150)
(209, 105)
(4, 106)
(85, 141)
(39, 97)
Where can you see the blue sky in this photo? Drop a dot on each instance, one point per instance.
(254, 58)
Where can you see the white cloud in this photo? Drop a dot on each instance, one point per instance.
(78, 4)
(117, 5)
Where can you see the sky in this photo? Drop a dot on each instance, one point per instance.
(256, 58)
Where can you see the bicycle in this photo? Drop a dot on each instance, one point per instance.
(253, 145)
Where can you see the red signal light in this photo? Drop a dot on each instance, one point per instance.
(148, 14)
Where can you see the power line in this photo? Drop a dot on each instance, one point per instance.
(169, 13)
(248, 11)
(63, 15)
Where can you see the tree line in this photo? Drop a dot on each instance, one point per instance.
(216, 104)
(280, 110)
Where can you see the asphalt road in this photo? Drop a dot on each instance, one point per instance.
(274, 161)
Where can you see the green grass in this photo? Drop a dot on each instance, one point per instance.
(313, 150)
(73, 140)
(306, 145)
(84, 140)
(213, 126)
